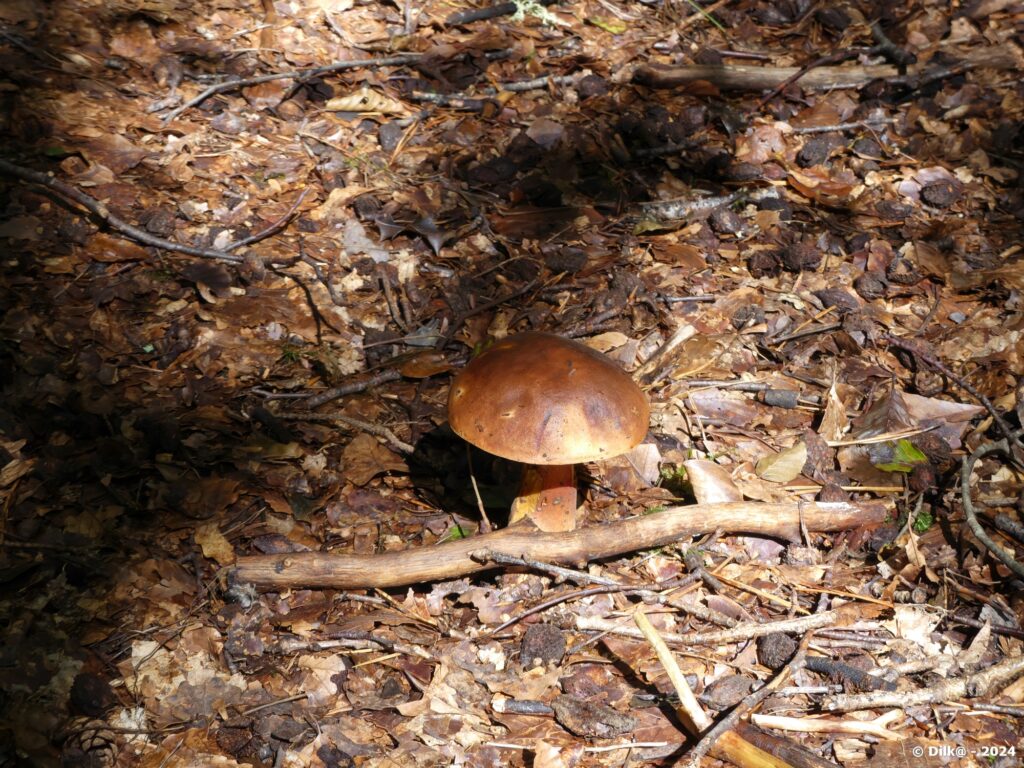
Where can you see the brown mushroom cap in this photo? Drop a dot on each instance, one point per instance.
(541, 399)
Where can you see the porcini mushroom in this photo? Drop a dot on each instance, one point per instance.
(549, 403)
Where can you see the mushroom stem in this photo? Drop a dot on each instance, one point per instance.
(547, 495)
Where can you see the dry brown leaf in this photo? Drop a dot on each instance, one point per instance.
(14, 470)
(208, 496)
(336, 200)
(364, 458)
(816, 184)
(834, 422)
(421, 365)
(711, 482)
(214, 544)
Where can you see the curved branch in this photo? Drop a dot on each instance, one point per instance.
(1004, 556)
(456, 558)
(111, 219)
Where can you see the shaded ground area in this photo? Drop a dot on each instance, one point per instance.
(841, 267)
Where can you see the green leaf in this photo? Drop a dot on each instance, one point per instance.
(455, 533)
(900, 457)
(608, 25)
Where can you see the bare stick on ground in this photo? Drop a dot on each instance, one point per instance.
(750, 78)
(948, 690)
(111, 219)
(726, 744)
(295, 74)
(970, 514)
(454, 559)
(734, 634)
(725, 733)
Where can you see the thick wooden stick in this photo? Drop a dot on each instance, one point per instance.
(453, 559)
(751, 78)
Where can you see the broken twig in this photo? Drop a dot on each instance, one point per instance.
(109, 218)
(751, 78)
(974, 685)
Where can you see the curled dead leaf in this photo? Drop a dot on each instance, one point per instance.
(366, 100)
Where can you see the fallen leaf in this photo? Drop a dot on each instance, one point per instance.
(366, 100)
(364, 458)
(214, 544)
(711, 482)
(783, 466)
(339, 197)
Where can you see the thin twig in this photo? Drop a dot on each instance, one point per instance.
(111, 219)
(879, 727)
(703, 14)
(883, 45)
(567, 574)
(824, 61)
(485, 521)
(274, 228)
(389, 297)
(739, 633)
(975, 685)
(857, 125)
(916, 348)
(626, 589)
(295, 74)
(698, 720)
(365, 426)
(970, 514)
(325, 280)
(352, 387)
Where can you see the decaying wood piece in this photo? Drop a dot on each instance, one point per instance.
(752, 78)
(455, 558)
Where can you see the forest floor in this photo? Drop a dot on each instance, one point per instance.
(232, 309)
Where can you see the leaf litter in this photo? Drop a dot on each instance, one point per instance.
(751, 253)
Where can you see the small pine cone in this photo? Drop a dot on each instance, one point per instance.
(89, 743)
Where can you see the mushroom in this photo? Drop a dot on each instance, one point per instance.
(549, 403)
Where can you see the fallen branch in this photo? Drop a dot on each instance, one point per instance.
(294, 74)
(454, 559)
(750, 78)
(736, 634)
(109, 218)
(948, 690)
(1005, 556)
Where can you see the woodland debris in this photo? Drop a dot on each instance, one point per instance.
(747, 77)
(456, 558)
